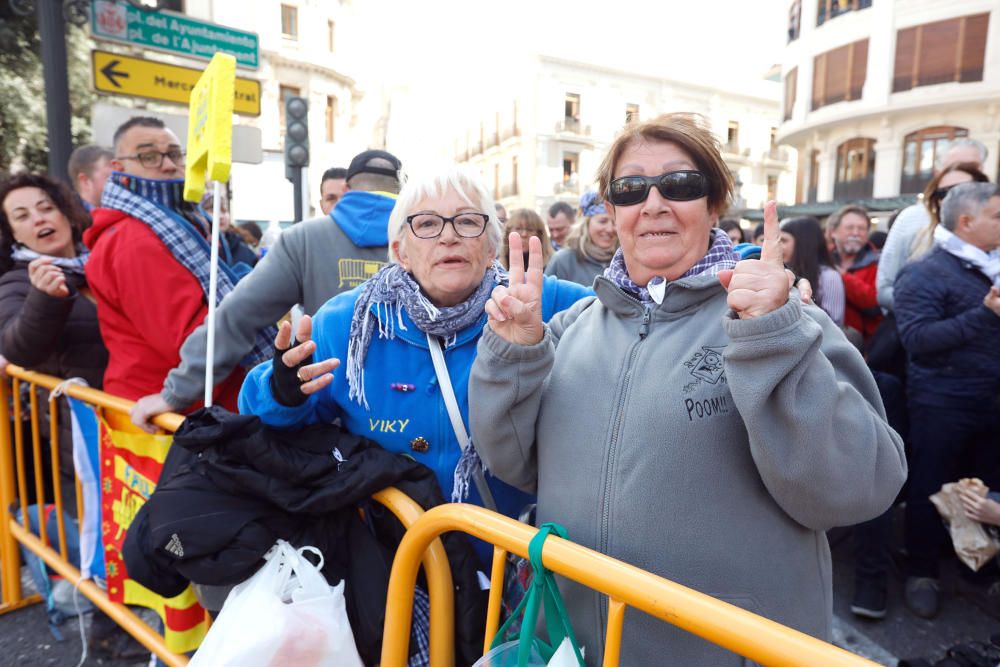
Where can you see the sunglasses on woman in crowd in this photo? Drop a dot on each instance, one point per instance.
(683, 185)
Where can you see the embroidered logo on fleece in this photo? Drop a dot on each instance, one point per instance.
(706, 366)
(174, 546)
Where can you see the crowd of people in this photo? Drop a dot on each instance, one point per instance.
(763, 390)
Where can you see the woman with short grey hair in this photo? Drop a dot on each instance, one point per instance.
(427, 302)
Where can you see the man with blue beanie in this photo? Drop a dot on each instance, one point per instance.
(310, 263)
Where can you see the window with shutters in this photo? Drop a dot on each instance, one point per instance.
(331, 118)
(921, 150)
(855, 178)
(940, 52)
(289, 22)
(839, 75)
(791, 80)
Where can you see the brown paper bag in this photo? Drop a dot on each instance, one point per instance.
(972, 543)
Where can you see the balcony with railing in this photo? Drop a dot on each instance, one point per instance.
(777, 154)
(510, 132)
(859, 188)
(508, 190)
(571, 186)
(572, 126)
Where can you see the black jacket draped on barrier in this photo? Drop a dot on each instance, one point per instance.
(231, 487)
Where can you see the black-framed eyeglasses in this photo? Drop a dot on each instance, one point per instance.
(431, 225)
(684, 185)
(154, 159)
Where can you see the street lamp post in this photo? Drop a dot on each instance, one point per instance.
(52, 32)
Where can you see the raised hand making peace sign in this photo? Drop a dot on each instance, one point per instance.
(759, 286)
(516, 312)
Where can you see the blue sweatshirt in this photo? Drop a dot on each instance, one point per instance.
(413, 422)
(363, 216)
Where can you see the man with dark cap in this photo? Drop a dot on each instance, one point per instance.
(310, 263)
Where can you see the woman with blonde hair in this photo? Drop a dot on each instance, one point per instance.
(934, 194)
(910, 237)
(526, 223)
(589, 247)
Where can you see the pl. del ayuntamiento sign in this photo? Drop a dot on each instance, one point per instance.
(171, 32)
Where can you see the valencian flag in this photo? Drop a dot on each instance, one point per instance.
(130, 467)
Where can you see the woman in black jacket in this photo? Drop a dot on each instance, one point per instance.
(48, 318)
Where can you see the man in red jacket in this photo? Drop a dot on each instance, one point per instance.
(148, 266)
(857, 261)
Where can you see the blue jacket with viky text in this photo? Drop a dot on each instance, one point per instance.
(406, 413)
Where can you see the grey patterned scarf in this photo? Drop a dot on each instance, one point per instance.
(381, 304)
(75, 265)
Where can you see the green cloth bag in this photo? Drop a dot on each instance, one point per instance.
(543, 591)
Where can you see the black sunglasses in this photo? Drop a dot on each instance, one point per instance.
(683, 185)
(941, 193)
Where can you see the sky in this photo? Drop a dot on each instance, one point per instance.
(459, 53)
(710, 39)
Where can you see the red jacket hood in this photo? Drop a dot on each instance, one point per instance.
(103, 219)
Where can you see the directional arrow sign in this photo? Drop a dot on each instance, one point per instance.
(135, 77)
(111, 73)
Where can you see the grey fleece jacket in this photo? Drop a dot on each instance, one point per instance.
(706, 449)
(311, 263)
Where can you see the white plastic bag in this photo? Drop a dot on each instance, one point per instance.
(285, 614)
(505, 655)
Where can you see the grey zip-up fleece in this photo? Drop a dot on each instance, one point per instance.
(312, 262)
(706, 449)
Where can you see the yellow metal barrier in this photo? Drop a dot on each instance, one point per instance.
(14, 485)
(721, 623)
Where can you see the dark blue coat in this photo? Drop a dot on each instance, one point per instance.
(952, 339)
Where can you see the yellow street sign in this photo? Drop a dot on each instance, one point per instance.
(135, 77)
(210, 127)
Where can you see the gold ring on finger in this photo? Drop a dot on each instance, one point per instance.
(299, 375)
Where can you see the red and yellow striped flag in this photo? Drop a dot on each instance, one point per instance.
(131, 462)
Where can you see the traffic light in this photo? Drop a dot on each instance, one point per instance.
(296, 132)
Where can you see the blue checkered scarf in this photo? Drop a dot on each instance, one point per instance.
(720, 256)
(158, 204)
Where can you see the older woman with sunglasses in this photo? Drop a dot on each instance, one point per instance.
(427, 302)
(695, 419)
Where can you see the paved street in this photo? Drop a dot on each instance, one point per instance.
(901, 634)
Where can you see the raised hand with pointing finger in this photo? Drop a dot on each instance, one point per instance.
(295, 376)
(515, 312)
(759, 286)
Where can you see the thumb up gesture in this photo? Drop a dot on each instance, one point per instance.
(759, 286)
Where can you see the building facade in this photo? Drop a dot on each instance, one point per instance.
(301, 44)
(304, 50)
(544, 142)
(874, 89)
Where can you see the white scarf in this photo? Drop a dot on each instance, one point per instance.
(988, 263)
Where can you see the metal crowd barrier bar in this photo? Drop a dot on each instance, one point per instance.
(14, 486)
(721, 623)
